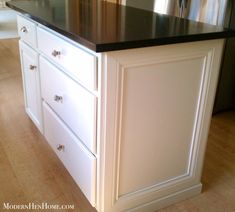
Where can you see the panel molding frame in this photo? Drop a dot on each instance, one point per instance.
(122, 69)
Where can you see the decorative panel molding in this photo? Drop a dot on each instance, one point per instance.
(185, 163)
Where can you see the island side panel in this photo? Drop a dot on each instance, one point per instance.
(158, 104)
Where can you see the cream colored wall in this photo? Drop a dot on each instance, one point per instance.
(114, 1)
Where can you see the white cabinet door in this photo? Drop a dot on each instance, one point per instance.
(31, 83)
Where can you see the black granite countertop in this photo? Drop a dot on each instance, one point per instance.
(103, 26)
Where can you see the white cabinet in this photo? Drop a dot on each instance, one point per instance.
(130, 126)
(31, 84)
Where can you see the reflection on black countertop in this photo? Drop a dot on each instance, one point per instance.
(103, 26)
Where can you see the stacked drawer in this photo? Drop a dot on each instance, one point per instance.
(68, 79)
(69, 109)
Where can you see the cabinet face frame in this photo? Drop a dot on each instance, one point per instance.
(114, 64)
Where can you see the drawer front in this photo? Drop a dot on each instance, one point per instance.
(78, 63)
(80, 163)
(75, 105)
(27, 30)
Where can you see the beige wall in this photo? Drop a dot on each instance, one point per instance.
(114, 1)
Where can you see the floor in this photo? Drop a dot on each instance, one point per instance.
(30, 171)
(8, 27)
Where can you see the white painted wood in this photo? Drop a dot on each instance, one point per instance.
(78, 106)
(154, 104)
(158, 106)
(172, 198)
(80, 163)
(78, 63)
(31, 84)
(27, 30)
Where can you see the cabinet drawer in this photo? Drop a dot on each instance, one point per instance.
(74, 60)
(80, 163)
(27, 30)
(75, 105)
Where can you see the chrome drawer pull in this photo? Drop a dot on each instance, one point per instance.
(60, 147)
(56, 53)
(24, 29)
(58, 98)
(32, 67)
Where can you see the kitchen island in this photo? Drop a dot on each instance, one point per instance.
(123, 96)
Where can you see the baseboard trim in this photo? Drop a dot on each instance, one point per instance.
(168, 200)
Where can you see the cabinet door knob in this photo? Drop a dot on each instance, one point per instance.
(60, 147)
(24, 29)
(32, 67)
(56, 53)
(58, 98)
